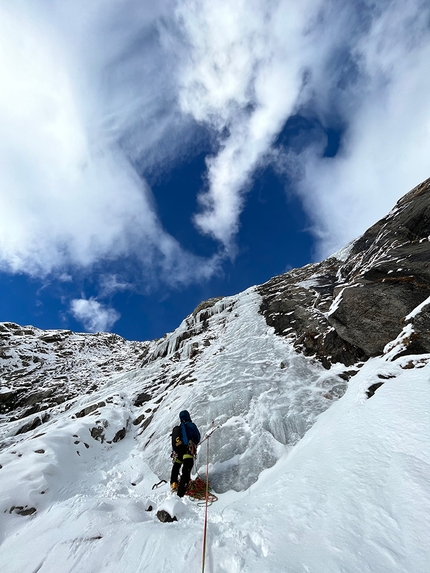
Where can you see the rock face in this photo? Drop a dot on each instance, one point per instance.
(350, 306)
(43, 369)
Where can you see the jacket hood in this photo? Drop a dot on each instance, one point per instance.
(184, 416)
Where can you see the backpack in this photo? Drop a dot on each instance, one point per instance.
(181, 444)
(177, 438)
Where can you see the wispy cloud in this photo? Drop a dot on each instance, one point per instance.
(242, 76)
(95, 316)
(86, 101)
(112, 283)
(384, 107)
(361, 66)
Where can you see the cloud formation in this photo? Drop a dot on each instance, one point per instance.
(386, 111)
(360, 66)
(95, 95)
(95, 316)
(86, 98)
(242, 77)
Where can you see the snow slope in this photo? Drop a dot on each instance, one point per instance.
(302, 487)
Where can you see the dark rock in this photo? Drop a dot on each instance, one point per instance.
(421, 334)
(194, 350)
(372, 389)
(90, 409)
(141, 399)
(146, 423)
(149, 440)
(7, 397)
(348, 374)
(22, 510)
(206, 304)
(6, 326)
(37, 397)
(370, 315)
(36, 422)
(165, 517)
(138, 420)
(120, 435)
(97, 433)
(53, 337)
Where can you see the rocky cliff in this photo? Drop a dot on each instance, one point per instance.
(350, 306)
(43, 369)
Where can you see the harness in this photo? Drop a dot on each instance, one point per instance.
(189, 455)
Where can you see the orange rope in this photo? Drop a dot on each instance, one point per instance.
(206, 509)
(197, 490)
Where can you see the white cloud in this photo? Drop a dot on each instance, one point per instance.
(243, 76)
(86, 93)
(112, 283)
(360, 66)
(65, 198)
(387, 148)
(95, 316)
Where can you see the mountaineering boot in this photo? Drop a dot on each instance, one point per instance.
(174, 486)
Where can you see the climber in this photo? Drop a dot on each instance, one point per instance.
(185, 439)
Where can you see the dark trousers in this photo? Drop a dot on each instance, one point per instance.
(187, 466)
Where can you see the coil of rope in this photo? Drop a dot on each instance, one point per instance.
(197, 490)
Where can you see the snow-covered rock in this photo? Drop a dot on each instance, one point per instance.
(347, 308)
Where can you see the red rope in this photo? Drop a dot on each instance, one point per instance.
(197, 490)
(206, 509)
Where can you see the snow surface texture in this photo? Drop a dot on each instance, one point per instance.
(303, 488)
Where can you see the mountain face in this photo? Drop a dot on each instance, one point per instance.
(303, 378)
(42, 369)
(52, 374)
(350, 306)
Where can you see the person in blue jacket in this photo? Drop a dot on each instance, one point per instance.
(185, 439)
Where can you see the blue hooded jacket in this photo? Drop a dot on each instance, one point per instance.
(189, 429)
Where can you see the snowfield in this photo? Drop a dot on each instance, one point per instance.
(313, 475)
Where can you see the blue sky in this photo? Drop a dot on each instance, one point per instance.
(155, 156)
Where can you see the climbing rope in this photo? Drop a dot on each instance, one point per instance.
(197, 490)
(206, 501)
